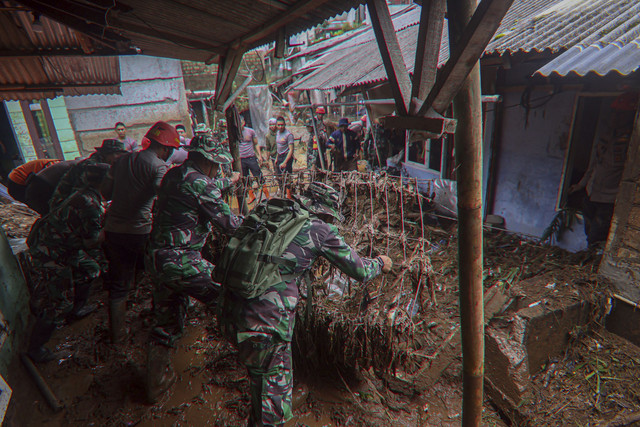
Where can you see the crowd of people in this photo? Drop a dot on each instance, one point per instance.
(131, 209)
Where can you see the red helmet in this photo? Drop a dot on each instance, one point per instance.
(145, 143)
(165, 134)
(363, 119)
(321, 110)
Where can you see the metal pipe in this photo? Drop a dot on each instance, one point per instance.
(385, 101)
(51, 398)
(467, 108)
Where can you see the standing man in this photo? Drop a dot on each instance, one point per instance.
(73, 179)
(180, 155)
(284, 148)
(130, 144)
(344, 147)
(249, 160)
(189, 204)
(262, 327)
(270, 142)
(66, 256)
(132, 182)
(601, 181)
(313, 158)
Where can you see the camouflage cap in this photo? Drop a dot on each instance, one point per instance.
(110, 146)
(210, 150)
(202, 128)
(320, 198)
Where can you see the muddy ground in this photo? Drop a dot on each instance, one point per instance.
(594, 382)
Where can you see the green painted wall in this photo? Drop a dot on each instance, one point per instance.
(63, 127)
(14, 303)
(21, 130)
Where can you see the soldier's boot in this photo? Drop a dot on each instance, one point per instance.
(265, 190)
(117, 319)
(41, 334)
(80, 307)
(252, 196)
(160, 374)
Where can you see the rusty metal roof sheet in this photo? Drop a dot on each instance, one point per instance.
(50, 62)
(600, 59)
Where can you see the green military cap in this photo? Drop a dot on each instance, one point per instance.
(320, 198)
(210, 150)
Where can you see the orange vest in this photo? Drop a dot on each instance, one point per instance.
(20, 174)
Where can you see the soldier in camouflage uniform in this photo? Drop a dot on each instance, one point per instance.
(189, 204)
(262, 327)
(65, 250)
(74, 179)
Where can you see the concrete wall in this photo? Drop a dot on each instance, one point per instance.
(530, 164)
(152, 89)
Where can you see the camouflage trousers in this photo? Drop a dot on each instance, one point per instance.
(177, 275)
(262, 329)
(54, 283)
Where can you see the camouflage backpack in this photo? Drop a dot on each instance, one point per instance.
(249, 265)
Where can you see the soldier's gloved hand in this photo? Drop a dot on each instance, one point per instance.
(386, 263)
(235, 177)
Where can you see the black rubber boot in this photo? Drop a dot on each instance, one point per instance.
(160, 373)
(41, 334)
(117, 318)
(80, 307)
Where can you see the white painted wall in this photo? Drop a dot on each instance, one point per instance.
(152, 89)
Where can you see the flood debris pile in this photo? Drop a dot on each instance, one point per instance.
(16, 219)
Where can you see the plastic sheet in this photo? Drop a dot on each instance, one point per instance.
(260, 103)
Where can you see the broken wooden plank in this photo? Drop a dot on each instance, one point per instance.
(435, 125)
(391, 54)
(428, 49)
(473, 41)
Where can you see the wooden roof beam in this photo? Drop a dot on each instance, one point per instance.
(227, 69)
(435, 124)
(428, 49)
(472, 43)
(391, 55)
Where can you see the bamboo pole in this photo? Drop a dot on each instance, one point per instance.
(467, 109)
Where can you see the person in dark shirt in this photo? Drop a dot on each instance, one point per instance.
(344, 146)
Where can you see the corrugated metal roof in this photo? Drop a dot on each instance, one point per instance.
(530, 25)
(34, 64)
(556, 25)
(196, 30)
(601, 59)
(357, 61)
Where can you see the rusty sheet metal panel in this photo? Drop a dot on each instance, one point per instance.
(34, 65)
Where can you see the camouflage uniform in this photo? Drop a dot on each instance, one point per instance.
(262, 327)
(188, 204)
(75, 178)
(59, 245)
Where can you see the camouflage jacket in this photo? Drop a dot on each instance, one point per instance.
(73, 179)
(70, 229)
(277, 305)
(188, 204)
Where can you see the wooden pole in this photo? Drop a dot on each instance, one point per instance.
(233, 132)
(467, 107)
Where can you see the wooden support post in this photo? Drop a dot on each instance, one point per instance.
(472, 42)
(233, 132)
(428, 49)
(227, 70)
(391, 55)
(467, 109)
